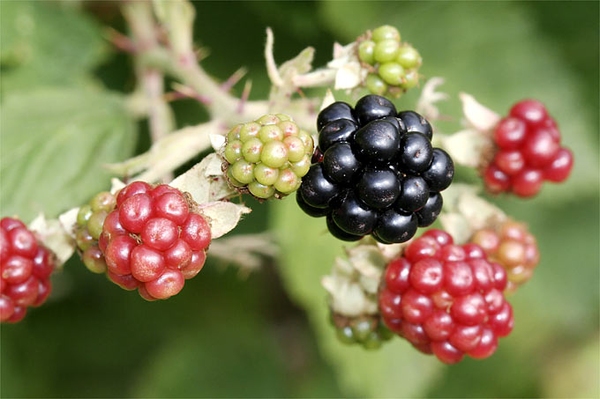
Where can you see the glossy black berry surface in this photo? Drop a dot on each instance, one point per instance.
(393, 226)
(354, 217)
(378, 188)
(340, 164)
(378, 141)
(375, 172)
(414, 122)
(416, 153)
(316, 190)
(431, 210)
(310, 210)
(414, 194)
(440, 173)
(338, 110)
(371, 107)
(338, 131)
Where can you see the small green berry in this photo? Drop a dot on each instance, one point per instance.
(411, 79)
(362, 329)
(392, 73)
(345, 335)
(103, 201)
(252, 149)
(83, 215)
(375, 84)
(84, 239)
(287, 182)
(385, 32)
(234, 134)
(301, 167)
(232, 180)
(260, 190)
(233, 151)
(308, 141)
(409, 57)
(295, 147)
(93, 259)
(289, 128)
(270, 133)
(366, 51)
(386, 50)
(242, 171)
(269, 119)
(265, 175)
(274, 154)
(95, 223)
(249, 130)
(372, 341)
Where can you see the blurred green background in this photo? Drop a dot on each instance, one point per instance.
(266, 334)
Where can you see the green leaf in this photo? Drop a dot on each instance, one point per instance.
(43, 43)
(54, 143)
(307, 254)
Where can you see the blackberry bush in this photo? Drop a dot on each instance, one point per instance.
(375, 174)
(378, 174)
(25, 266)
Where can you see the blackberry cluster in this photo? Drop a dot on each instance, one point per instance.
(513, 247)
(267, 157)
(393, 66)
(446, 299)
(375, 172)
(26, 266)
(368, 331)
(152, 240)
(528, 152)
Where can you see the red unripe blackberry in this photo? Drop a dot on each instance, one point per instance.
(528, 151)
(153, 240)
(446, 299)
(25, 269)
(511, 246)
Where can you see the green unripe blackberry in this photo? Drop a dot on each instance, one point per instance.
(386, 32)
(392, 65)
(367, 330)
(267, 157)
(90, 220)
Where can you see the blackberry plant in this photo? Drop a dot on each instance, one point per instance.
(433, 259)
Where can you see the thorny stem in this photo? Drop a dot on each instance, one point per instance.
(150, 79)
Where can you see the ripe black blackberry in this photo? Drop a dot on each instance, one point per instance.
(377, 172)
